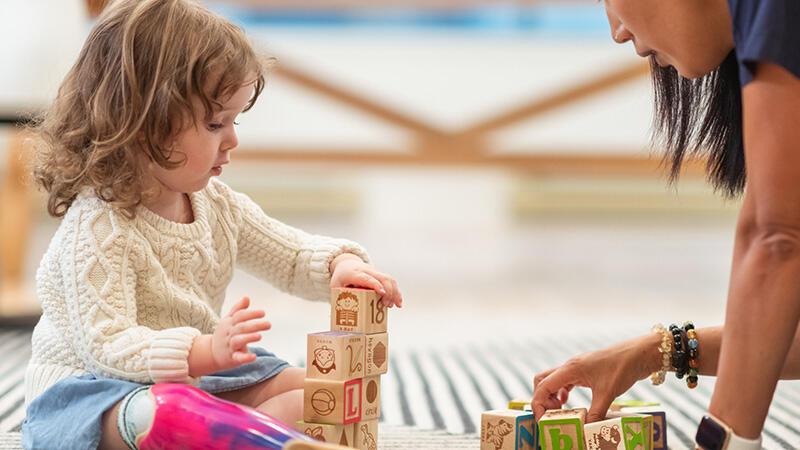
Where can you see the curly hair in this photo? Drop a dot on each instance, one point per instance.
(143, 70)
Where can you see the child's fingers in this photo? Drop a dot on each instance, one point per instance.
(251, 326)
(243, 357)
(242, 304)
(240, 341)
(391, 294)
(365, 280)
(248, 314)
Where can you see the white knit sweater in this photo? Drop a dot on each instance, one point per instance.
(125, 298)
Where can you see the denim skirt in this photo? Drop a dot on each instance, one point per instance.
(68, 415)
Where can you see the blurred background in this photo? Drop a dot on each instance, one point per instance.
(492, 155)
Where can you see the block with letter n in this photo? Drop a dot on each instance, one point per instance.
(508, 430)
(562, 429)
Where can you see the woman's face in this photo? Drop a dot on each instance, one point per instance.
(694, 36)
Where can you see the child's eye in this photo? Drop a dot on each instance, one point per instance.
(235, 122)
(214, 126)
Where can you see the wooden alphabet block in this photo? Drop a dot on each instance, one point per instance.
(659, 424)
(637, 430)
(625, 403)
(357, 310)
(604, 435)
(332, 402)
(562, 429)
(377, 359)
(371, 398)
(508, 430)
(367, 435)
(324, 432)
(335, 355)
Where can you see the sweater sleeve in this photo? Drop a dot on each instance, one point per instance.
(100, 275)
(290, 259)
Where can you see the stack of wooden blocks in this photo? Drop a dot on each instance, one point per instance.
(625, 428)
(343, 372)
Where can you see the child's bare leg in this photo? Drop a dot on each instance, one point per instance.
(109, 435)
(289, 379)
(286, 407)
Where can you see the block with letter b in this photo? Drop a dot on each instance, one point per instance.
(508, 430)
(335, 355)
(562, 429)
(358, 310)
(331, 401)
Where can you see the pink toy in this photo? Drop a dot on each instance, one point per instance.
(188, 418)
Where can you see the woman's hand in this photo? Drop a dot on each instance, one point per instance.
(240, 327)
(348, 270)
(608, 373)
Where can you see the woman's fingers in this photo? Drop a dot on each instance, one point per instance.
(545, 395)
(600, 404)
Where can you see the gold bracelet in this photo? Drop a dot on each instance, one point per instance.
(665, 348)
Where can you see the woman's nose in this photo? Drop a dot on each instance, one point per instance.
(620, 34)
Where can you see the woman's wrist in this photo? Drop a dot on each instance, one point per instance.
(650, 354)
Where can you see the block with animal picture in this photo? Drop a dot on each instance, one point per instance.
(659, 423)
(562, 429)
(358, 310)
(331, 433)
(371, 398)
(335, 355)
(604, 435)
(508, 429)
(377, 354)
(637, 429)
(367, 435)
(332, 401)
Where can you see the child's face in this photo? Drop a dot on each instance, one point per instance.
(207, 147)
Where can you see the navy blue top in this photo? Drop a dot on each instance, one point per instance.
(766, 31)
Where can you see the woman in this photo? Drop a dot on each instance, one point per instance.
(727, 79)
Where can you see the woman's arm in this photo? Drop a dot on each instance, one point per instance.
(764, 299)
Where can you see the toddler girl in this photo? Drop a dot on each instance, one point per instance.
(134, 279)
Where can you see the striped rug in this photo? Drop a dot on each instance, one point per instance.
(446, 389)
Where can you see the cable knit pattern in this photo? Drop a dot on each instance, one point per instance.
(125, 298)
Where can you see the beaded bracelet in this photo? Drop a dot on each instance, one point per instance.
(693, 346)
(665, 349)
(679, 360)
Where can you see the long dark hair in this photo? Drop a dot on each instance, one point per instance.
(701, 117)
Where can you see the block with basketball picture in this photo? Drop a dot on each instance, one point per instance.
(358, 310)
(376, 361)
(332, 401)
(335, 355)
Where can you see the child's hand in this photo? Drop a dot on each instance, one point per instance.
(350, 271)
(240, 327)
